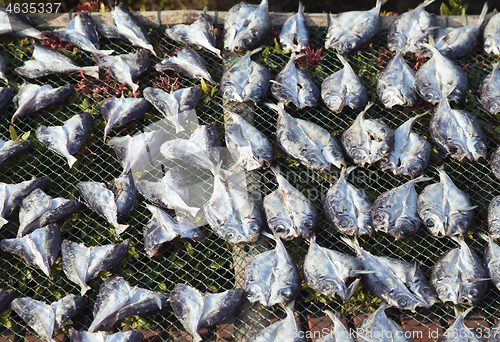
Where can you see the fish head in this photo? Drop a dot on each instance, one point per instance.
(349, 43)
(314, 159)
(335, 102)
(458, 150)
(355, 101)
(360, 156)
(434, 220)
(396, 41)
(331, 287)
(256, 291)
(402, 298)
(404, 227)
(381, 219)
(458, 223)
(243, 40)
(477, 148)
(232, 92)
(427, 294)
(254, 93)
(413, 166)
(392, 96)
(493, 104)
(346, 224)
(307, 98)
(283, 227)
(280, 293)
(492, 45)
(232, 233)
(449, 289)
(306, 224)
(471, 292)
(251, 227)
(455, 95)
(379, 151)
(263, 157)
(431, 94)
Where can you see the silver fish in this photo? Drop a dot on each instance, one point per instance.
(440, 77)
(491, 35)
(11, 148)
(342, 88)
(494, 218)
(124, 68)
(32, 98)
(163, 228)
(186, 62)
(174, 105)
(6, 94)
(395, 212)
(309, 143)
(66, 140)
(171, 192)
(125, 194)
(200, 33)
(272, 277)
(102, 201)
(245, 80)
(348, 207)
(495, 162)
(233, 214)
(44, 318)
(411, 152)
(492, 259)
(289, 213)
(396, 84)
(246, 26)
(101, 336)
(490, 91)
(12, 195)
(50, 62)
(3, 69)
(379, 328)
(459, 332)
(350, 31)
(294, 35)
(5, 298)
(117, 299)
(286, 330)
(445, 209)
(81, 264)
(81, 32)
(457, 133)
(459, 276)
(135, 152)
(339, 333)
(295, 85)
(397, 282)
(127, 27)
(409, 28)
(17, 23)
(198, 310)
(119, 112)
(39, 249)
(329, 272)
(248, 146)
(39, 209)
(368, 140)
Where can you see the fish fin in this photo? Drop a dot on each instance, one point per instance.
(427, 3)
(105, 52)
(379, 4)
(121, 228)
(422, 178)
(351, 289)
(478, 279)
(485, 237)
(3, 221)
(484, 11)
(347, 171)
(271, 236)
(71, 160)
(343, 61)
(467, 209)
(361, 272)
(464, 313)
(312, 239)
(92, 71)
(353, 243)
(301, 7)
(290, 306)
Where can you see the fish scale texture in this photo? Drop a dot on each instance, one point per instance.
(211, 265)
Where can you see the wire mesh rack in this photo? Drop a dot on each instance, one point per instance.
(212, 265)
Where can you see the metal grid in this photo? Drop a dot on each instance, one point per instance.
(209, 266)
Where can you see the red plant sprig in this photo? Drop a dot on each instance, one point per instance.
(312, 58)
(91, 6)
(55, 42)
(383, 58)
(107, 88)
(166, 83)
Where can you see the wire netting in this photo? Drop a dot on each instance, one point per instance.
(210, 266)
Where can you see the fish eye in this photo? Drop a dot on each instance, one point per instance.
(308, 225)
(279, 228)
(229, 235)
(481, 147)
(454, 149)
(487, 44)
(404, 232)
(428, 291)
(313, 160)
(473, 293)
(254, 229)
(327, 287)
(344, 223)
(416, 169)
(228, 91)
(402, 302)
(429, 223)
(357, 155)
(441, 292)
(378, 217)
(462, 225)
(350, 46)
(393, 41)
(251, 293)
(494, 106)
(384, 149)
(285, 292)
(245, 42)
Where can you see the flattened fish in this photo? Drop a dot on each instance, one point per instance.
(368, 140)
(119, 112)
(495, 162)
(16, 23)
(101, 336)
(66, 140)
(200, 33)
(80, 263)
(289, 213)
(411, 152)
(312, 145)
(445, 209)
(459, 276)
(347, 207)
(490, 90)
(339, 333)
(124, 68)
(127, 27)
(6, 94)
(342, 88)
(186, 62)
(286, 330)
(379, 328)
(491, 35)
(272, 277)
(125, 194)
(5, 298)
(198, 310)
(11, 148)
(494, 218)
(117, 299)
(350, 31)
(459, 332)
(246, 26)
(492, 259)
(163, 228)
(294, 35)
(295, 85)
(32, 98)
(39, 249)
(39, 209)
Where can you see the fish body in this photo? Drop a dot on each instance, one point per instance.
(124, 68)
(495, 162)
(491, 35)
(6, 94)
(492, 260)
(66, 140)
(32, 98)
(119, 112)
(125, 194)
(459, 332)
(200, 33)
(445, 209)
(81, 264)
(246, 26)
(396, 84)
(11, 148)
(350, 31)
(379, 328)
(295, 85)
(368, 140)
(457, 133)
(338, 333)
(294, 35)
(3, 69)
(343, 88)
(286, 330)
(16, 23)
(289, 213)
(174, 105)
(101, 336)
(411, 152)
(198, 310)
(459, 276)
(348, 207)
(5, 298)
(494, 218)
(186, 62)
(490, 91)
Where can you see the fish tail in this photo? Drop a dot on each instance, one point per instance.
(379, 4)
(343, 60)
(71, 160)
(353, 243)
(301, 7)
(422, 178)
(3, 221)
(193, 211)
(272, 105)
(134, 87)
(485, 237)
(254, 51)
(92, 71)
(347, 171)
(483, 14)
(427, 3)
(120, 228)
(178, 128)
(271, 236)
(106, 52)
